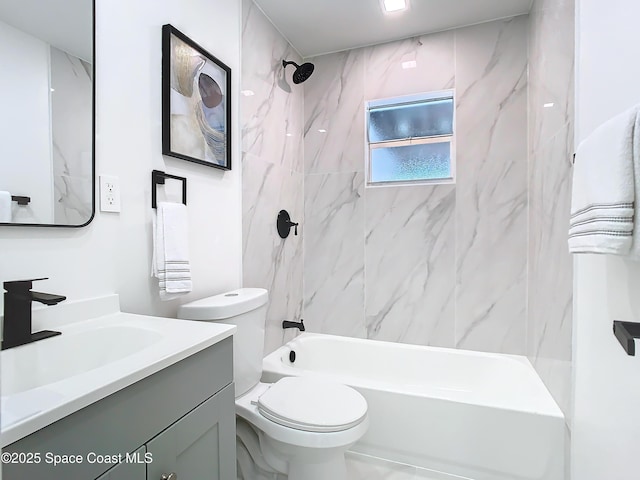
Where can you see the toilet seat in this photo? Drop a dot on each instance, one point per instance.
(247, 408)
(312, 405)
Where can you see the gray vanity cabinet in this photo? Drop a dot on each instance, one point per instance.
(196, 447)
(182, 418)
(127, 471)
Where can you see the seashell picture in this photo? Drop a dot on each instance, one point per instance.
(196, 109)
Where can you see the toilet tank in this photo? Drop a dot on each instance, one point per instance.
(245, 308)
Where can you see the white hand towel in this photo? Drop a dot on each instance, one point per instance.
(171, 250)
(5, 207)
(606, 185)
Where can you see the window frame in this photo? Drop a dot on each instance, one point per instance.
(408, 99)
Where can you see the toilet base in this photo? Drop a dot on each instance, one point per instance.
(301, 463)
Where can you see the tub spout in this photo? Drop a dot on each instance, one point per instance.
(299, 325)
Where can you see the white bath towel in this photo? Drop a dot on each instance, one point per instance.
(606, 186)
(171, 250)
(5, 207)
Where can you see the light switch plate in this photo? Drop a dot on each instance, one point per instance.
(109, 193)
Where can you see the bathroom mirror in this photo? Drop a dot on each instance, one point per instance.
(47, 124)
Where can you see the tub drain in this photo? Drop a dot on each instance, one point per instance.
(292, 356)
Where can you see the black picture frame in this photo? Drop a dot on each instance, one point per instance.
(196, 102)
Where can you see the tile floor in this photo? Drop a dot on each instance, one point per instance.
(364, 467)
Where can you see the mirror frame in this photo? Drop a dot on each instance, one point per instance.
(93, 142)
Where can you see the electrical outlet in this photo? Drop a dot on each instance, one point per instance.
(109, 193)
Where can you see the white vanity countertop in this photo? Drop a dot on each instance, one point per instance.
(47, 380)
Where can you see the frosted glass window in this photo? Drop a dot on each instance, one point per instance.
(413, 120)
(411, 139)
(428, 161)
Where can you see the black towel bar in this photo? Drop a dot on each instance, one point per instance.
(158, 178)
(21, 199)
(626, 333)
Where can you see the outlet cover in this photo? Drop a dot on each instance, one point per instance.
(109, 193)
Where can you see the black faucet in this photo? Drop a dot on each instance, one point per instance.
(17, 313)
(299, 325)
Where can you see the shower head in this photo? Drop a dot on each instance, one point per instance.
(302, 72)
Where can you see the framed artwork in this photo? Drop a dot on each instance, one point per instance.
(196, 102)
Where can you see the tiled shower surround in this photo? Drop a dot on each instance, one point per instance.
(445, 265)
(272, 171)
(551, 120)
(427, 264)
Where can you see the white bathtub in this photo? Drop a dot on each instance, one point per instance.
(481, 416)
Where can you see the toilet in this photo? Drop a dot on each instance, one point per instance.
(304, 425)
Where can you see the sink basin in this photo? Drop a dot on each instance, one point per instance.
(54, 359)
(101, 350)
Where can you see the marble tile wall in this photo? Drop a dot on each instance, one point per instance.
(71, 112)
(432, 264)
(491, 186)
(551, 80)
(445, 265)
(272, 170)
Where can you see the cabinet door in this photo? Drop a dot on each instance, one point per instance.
(127, 470)
(201, 445)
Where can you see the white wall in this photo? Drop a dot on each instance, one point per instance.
(606, 423)
(113, 253)
(25, 140)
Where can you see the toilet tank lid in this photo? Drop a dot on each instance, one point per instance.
(225, 305)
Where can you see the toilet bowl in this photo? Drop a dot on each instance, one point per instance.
(305, 439)
(304, 425)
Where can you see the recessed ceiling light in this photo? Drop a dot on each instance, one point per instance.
(548, 105)
(409, 64)
(247, 93)
(322, 130)
(394, 5)
(289, 134)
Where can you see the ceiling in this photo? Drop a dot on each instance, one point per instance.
(315, 27)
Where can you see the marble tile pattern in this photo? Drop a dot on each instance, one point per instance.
(271, 104)
(389, 73)
(409, 264)
(551, 267)
(336, 93)
(438, 265)
(71, 132)
(269, 261)
(436, 262)
(551, 76)
(272, 166)
(334, 254)
(551, 69)
(491, 186)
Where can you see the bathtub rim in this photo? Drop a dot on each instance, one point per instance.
(274, 367)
